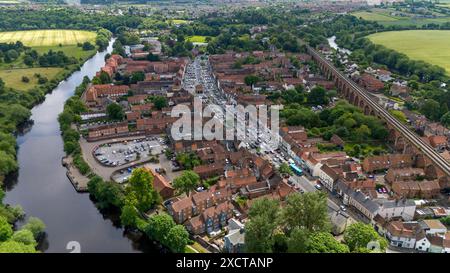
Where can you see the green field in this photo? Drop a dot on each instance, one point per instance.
(69, 50)
(431, 46)
(179, 21)
(384, 17)
(47, 37)
(374, 16)
(13, 77)
(42, 41)
(197, 39)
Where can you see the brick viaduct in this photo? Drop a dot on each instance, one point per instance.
(404, 140)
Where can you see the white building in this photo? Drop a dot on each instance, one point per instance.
(397, 208)
(401, 234)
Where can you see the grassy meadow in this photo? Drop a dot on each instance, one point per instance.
(42, 41)
(47, 37)
(384, 17)
(197, 39)
(13, 77)
(431, 46)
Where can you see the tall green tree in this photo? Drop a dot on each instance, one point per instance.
(36, 226)
(186, 182)
(324, 242)
(16, 247)
(159, 226)
(24, 236)
(260, 229)
(318, 96)
(5, 229)
(115, 111)
(298, 240)
(358, 235)
(308, 211)
(140, 192)
(177, 239)
(129, 216)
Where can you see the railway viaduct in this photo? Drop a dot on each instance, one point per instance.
(404, 140)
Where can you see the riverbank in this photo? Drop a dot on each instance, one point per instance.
(42, 188)
(16, 105)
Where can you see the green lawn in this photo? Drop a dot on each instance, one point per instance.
(69, 50)
(179, 21)
(197, 39)
(374, 16)
(48, 37)
(13, 77)
(431, 46)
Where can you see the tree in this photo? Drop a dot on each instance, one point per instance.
(104, 78)
(115, 111)
(362, 133)
(298, 241)
(36, 226)
(324, 242)
(358, 235)
(258, 235)
(106, 194)
(140, 191)
(25, 79)
(318, 96)
(177, 239)
(28, 60)
(7, 163)
(87, 46)
(263, 221)
(137, 76)
(285, 169)
(2, 195)
(251, 80)
(308, 211)
(128, 216)
(160, 102)
(16, 247)
(159, 226)
(5, 229)
(431, 109)
(187, 182)
(188, 160)
(11, 55)
(24, 236)
(445, 119)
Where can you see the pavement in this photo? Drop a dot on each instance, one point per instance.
(104, 171)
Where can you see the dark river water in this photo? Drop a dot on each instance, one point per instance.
(43, 189)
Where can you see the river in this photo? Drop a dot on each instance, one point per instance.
(332, 43)
(43, 189)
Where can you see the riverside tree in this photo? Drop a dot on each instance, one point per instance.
(187, 182)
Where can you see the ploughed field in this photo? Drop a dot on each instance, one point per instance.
(47, 37)
(431, 46)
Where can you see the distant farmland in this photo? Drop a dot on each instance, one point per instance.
(386, 17)
(431, 46)
(35, 38)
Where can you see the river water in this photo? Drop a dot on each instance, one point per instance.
(43, 189)
(332, 43)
